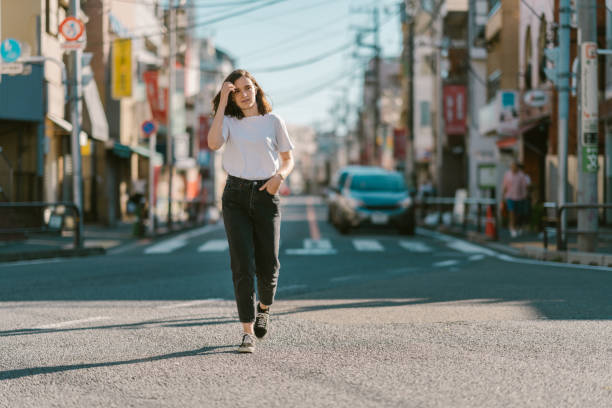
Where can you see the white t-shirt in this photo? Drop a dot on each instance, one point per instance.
(252, 145)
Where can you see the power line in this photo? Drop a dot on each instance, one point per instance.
(304, 62)
(286, 43)
(197, 24)
(316, 89)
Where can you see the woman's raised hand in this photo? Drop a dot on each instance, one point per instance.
(226, 89)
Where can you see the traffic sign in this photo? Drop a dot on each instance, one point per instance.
(12, 68)
(10, 50)
(148, 127)
(71, 28)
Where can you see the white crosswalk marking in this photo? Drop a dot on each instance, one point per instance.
(321, 246)
(367, 245)
(468, 248)
(214, 245)
(165, 247)
(450, 262)
(414, 246)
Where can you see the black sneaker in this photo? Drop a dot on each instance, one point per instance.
(261, 322)
(248, 344)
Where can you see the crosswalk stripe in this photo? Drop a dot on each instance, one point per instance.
(368, 245)
(313, 247)
(165, 247)
(214, 245)
(414, 246)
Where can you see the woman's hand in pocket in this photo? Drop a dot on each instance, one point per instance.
(272, 185)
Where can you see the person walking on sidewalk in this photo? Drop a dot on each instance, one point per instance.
(257, 159)
(515, 193)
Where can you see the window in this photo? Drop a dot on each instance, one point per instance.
(425, 114)
(378, 182)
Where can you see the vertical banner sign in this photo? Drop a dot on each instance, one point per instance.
(455, 109)
(589, 106)
(399, 144)
(158, 99)
(122, 68)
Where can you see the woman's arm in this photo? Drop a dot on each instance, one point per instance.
(273, 184)
(215, 134)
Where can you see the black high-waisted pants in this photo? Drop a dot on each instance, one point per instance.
(252, 226)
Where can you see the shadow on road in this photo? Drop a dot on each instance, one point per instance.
(557, 293)
(27, 372)
(129, 326)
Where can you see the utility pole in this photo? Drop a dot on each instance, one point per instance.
(438, 97)
(408, 54)
(588, 123)
(378, 144)
(608, 162)
(563, 85)
(76, 115)
(171, 92)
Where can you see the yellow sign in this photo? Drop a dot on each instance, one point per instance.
(86, 149)
(122, 68)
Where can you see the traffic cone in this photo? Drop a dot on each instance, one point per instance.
(490, 224)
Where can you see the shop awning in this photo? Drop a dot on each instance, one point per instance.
(65, 125)
(95, 110)
(121, 150)
(62, 123)
(507, 143)
(145, 152)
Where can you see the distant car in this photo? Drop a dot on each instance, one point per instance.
(337, 183)
(374, 198)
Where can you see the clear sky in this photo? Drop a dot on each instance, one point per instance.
(294, 31)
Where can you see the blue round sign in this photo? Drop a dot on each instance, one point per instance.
(10, 50)
(148, 127)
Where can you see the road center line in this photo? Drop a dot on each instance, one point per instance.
(312, 220)
(72, 322)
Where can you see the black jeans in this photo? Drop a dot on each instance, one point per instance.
(252, 226)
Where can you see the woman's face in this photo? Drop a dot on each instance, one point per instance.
(244, 94)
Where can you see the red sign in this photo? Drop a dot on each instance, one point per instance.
(203, 131)
(158, 101)
(71, 28)
(399, 144)
(455, 106)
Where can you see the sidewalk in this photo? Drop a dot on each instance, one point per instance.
(531, 245)
(97, 240)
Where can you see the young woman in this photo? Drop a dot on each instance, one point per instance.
(257, 158)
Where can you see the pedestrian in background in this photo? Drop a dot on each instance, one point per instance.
(257, 159)
(514, 191)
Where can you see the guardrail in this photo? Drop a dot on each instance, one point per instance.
(440, 203)
(556, 219)
(29, 217)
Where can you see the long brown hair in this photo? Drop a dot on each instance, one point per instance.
(263, 106)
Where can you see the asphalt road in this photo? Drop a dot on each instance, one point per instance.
(365, 320)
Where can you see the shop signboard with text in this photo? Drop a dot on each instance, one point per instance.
(455, 105)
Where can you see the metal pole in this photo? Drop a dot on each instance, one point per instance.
(152, 143)
(438, 98)
(588, 123)
(563, 104)
(171, 91)
(377, 148)
(75, 145)
(608, 161)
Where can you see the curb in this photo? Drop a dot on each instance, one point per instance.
(572, 257)
(533, 252)
(91, 251)
(52, 253)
